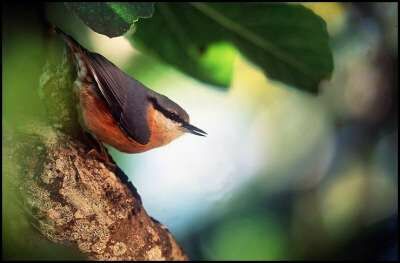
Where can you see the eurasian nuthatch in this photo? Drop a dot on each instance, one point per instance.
(120, 111)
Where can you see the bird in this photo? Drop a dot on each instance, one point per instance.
(120, 111)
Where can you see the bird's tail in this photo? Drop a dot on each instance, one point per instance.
(71, 43)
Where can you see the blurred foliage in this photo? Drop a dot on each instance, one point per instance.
(248, 238)
(111, 19)
(333, 14)
(288, 42)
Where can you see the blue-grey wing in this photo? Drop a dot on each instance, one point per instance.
(126, 97)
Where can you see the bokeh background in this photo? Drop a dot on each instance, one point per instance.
(282, 174)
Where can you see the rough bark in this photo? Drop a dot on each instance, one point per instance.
(72, 197)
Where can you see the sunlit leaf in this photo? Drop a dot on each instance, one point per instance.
(289, 42)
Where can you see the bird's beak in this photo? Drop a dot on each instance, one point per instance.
(194, 130)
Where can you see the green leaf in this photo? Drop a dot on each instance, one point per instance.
(289, 42)
(111, 19)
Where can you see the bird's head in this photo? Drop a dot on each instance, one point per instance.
(176, 117)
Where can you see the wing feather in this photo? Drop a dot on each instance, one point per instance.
(126, 97)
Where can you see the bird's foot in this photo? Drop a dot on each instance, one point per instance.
(99, 152)
(103, 157)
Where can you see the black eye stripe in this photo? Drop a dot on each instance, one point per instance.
(165, 112)
(173, 116)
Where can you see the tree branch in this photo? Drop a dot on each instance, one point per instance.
(72, 197)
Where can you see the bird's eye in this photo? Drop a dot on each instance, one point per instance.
(174, 116)
(167, 113)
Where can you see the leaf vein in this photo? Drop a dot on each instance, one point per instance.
(249, 35)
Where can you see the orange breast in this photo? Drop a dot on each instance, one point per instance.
(98, 119)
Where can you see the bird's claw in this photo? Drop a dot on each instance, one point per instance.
(103, 157)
